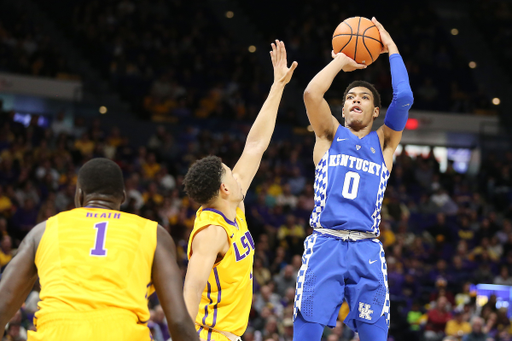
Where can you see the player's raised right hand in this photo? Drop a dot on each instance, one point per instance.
(348, 64)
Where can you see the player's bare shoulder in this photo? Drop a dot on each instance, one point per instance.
(324, 142)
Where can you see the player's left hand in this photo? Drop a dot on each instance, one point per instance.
(386, 39)
(282, 73)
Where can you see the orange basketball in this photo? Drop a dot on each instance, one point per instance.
(359, 39)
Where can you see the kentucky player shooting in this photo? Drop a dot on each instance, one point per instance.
(343, 259)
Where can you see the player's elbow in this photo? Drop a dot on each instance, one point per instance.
(403, 98)
(182, 328)
(255, 148)
(311, 95)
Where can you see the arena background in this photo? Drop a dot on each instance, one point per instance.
(155, 85)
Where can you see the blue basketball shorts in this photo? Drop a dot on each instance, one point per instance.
(334, 270)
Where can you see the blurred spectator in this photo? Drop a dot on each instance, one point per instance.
(159, 318)
(31, 303)
(287, 199)
(438, 317)
(415, 320)
(5, 250)
(266, 298)
(291, 234)
(5, 202)
(503, 278)
(24, 219)
(85, 146)
(477, 333)
(60, 125)
(457, 327)
(285, 280)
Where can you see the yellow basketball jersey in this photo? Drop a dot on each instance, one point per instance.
(93, 258)
(227, 298)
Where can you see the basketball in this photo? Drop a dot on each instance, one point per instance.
(358, 38)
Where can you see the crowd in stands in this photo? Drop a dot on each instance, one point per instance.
(441, 231)
(173, 59)
(493, 19)
(422, 40)
(170, 58)
(25, 49)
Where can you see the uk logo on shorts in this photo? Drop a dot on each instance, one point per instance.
(364, 311)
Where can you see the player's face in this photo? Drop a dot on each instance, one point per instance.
(359, 110)
(232, 184)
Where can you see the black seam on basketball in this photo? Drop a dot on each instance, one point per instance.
(372, 37)
(348, 42)
(347, 34)
(357, 38)
(351, 31)
(366, 47)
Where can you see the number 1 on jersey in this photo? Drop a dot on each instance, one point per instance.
(99, 244)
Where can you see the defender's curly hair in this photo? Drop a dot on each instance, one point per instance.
(203, 179)
(364, 84)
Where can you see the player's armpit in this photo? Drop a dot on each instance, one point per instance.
(320, 116)
(389, 140)
(167, 279)
(19, 276)
(207, 245)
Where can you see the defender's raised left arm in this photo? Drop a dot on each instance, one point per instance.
(263, 127)
(398, 111)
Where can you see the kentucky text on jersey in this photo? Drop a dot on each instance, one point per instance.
(104, 215)
(350, 181)
(354, 162)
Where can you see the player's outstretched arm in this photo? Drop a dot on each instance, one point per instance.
(19, 276)
(263, 127)
(397, 114)
(319, 114)
(206, 247)
(167, 280)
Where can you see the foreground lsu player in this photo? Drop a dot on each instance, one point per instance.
(218, 285)
(343, 259)
(97, 267)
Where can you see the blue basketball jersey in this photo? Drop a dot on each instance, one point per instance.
(350, 182)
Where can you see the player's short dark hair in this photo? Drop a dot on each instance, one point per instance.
(364, 84)
(101, 176)
(203, 179)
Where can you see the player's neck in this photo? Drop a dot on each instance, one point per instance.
(102, 203)
(360, 131)
(226, 207)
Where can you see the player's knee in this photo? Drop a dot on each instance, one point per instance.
(377, 331)
(306, 331)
